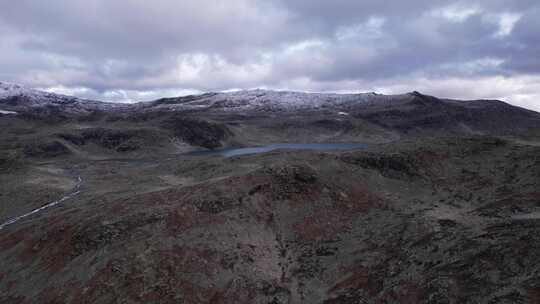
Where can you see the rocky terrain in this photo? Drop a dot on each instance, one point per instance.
(442, 206)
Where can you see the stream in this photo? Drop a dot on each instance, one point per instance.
(74, 192)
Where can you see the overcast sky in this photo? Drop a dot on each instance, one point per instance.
(140, 50)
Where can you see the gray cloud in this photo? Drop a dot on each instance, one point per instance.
(119, 50)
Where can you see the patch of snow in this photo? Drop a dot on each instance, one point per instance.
(8, 112)
(343, 113)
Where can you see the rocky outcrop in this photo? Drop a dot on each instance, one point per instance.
(46, 149)
(198, 132)
(117, 140)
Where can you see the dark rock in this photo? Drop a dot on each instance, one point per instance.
(198, 132)
(216, 206)
(119, 140)
(107, 138)
(391, 165)
(181, 100)
(447, 223)
(72, 138)
(49, 149)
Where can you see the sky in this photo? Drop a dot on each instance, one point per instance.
(133, 50)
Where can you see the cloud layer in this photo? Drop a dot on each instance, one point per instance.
(139, 50)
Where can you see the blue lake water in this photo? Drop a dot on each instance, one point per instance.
(230, 152)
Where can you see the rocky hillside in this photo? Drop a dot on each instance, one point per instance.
(452, 220)
(103, 203)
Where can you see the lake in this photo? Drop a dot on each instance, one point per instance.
(230, 152)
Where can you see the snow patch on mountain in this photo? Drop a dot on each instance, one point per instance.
(8, 112)
(15, 97)
(19, 97)
(31, 97)
(275, 100)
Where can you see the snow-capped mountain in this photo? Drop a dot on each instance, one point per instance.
(19, 98)
(410, 111)
(268, 100)
(14, 94)
(16, 97)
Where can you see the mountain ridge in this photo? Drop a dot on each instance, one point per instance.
(260, 117)
(307, 99)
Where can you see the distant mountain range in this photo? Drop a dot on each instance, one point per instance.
(404, 114)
